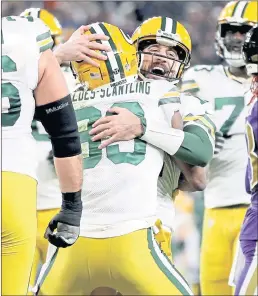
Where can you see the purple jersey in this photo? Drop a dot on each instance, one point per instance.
(250, 226)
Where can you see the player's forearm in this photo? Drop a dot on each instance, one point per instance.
(59, 54)
(69, 172)
(161, 135)
(196, 148)
(192, 146)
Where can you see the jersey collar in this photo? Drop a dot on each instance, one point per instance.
(241, 80)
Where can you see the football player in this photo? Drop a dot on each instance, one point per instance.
(117, 246)
(247, 283)
(225, 197)
(31, 76)
(164, 50)
(48, 201)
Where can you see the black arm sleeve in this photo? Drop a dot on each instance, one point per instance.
(59, 121)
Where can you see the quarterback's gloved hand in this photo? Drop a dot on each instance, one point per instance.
(219, 142)
(67, 221)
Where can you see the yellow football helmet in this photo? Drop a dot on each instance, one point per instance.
(168, 33)
(121, 64)
(49, 19)
(236, 16)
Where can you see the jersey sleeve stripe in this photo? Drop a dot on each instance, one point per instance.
(193, 87)
(165, 101)
(43, 36)
(203, 120)
(44, 41)
(188, 81)
(172, 94)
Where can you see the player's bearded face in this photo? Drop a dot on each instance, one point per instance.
(160, 62)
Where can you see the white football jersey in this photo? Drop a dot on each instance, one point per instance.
(23, 41)
(225, 93)
(48, 193)
(194, 113)
(120, 182)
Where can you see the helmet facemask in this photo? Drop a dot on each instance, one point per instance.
(162, 58)
(229, 41)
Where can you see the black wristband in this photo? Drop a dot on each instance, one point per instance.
(72, 200)
(72, 196)
(71, 209)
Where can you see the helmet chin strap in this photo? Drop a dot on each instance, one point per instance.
(141, 76)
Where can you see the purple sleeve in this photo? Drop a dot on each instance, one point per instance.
(253, 120)
(252, 140)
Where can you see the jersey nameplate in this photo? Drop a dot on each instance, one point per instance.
(140, 87)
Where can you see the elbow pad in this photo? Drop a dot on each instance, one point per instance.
(59, 121)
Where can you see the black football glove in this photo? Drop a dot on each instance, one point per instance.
(66, 222)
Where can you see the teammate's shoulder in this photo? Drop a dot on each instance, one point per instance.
(201, 70)
(190, 101)
(30, 30)
(163, 87)
(28, 22)
(189, 97)
(167, 92)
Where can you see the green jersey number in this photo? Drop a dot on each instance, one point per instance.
(9, 91)
(91, 154)
(238, 103)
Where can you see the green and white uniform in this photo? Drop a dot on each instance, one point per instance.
(194, 113)
(21, 51)
(225, 93)
(120, 190)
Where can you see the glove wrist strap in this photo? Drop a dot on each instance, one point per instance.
(72, 200)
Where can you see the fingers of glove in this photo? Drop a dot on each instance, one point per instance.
(69, 229)
(52, 225)
(65, 236)
(57, 241)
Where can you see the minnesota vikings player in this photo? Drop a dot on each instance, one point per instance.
(248, 280)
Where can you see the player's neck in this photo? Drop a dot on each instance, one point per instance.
(238, 72)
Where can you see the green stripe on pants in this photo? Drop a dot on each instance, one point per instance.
(168, 270)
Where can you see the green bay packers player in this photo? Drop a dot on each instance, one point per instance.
(48, 201)
(225, 198)
(164, 48)
(31, 76)
(117, 248)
